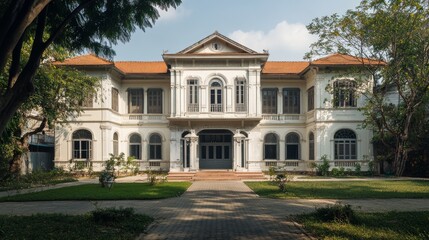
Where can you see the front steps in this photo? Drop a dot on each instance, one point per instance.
(215, 175)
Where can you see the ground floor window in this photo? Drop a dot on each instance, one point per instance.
(292, 146)
(135, 146)
(311, 146)
(82, 144)
(345, 145)
(271, 142)
(155, 144)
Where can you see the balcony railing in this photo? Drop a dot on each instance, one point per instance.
(142, 117)
(283, 117)
(216, 108)
(240, 107)
(193, 108)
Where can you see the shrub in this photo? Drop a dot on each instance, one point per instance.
(335, 172)
(282, 180)
(105, 177)
(336, 213)
(111, 215)
(272, 172)
(358, 169)
(323, 168)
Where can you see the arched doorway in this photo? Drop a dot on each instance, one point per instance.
(215, 148)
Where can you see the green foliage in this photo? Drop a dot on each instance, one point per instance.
(112, 215)
(272, 172)
(336, 213)
(379, 225)
(36, 178)
(154, 177)
(60, 226)
(383, 189)
(391, 42)
(323, 168)
(281, 181)
(358, 169)
(122, 191)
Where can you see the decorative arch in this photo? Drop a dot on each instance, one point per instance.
(155, 146)
(293, 148)
(82, 144)
(271, 146)
(135, 145)
(115, 144)
(311, 146)
(345, 146)
(216, 95)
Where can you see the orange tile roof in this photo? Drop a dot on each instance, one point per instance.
(284, 67)
(142, 67)
(85, 60)
(343, 59)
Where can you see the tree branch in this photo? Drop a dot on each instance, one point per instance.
(16, 62)
(64, 23)
(37, 130)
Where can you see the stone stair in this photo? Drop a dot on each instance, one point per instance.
(216, 175)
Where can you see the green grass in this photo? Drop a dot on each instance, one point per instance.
(344, 190)
(391, 225)
(58, 226)
(119, 191)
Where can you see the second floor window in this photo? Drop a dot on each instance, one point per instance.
(87, 102)
(193, 96)
(291, 101)
(240, 95)
(216, 96)
(115, 96)
(344, 93)
(135, 100)
(269, 100)
(310, 100)
(154, 101)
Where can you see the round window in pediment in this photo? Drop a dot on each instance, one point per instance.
(216, 46)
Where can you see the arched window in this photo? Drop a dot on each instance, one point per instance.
(292, 146)
(311, 146)
(345, 144)
(155, 146)
(135, 146)
(344, 93)
(216, 96)
(115, 144)
(82, 144)
(271, 143)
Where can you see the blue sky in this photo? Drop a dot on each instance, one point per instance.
(275, 25)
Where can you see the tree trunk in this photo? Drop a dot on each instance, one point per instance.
(401, 157)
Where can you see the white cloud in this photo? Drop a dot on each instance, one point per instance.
(172, 13)
(286, 41)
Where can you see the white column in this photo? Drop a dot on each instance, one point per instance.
(145, 102)
(192, 138)
(279, 101)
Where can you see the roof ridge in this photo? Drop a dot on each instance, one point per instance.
(140, 61)
(279, 61)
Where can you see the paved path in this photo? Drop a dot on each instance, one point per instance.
(217, 210)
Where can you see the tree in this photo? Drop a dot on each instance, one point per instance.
(396, 34)
(57, 98)
(75, 25)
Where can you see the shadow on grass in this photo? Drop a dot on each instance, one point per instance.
(391, 225)
(345, 190)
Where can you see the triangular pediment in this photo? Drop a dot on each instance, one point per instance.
(217, 43)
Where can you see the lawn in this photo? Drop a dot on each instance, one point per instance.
(391, 225)
(58, 226)
(345, 189)
(119, 191)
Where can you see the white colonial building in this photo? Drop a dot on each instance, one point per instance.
(218, 105)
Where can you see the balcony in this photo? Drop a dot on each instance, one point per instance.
(283, 118)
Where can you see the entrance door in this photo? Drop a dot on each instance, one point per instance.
(215, 149)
